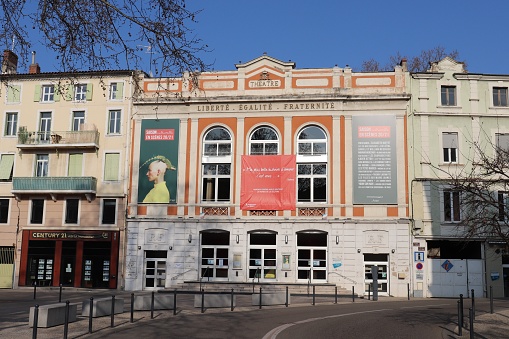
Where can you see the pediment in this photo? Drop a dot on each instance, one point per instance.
(448, 64)
(265, 62)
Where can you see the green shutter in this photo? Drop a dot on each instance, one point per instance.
(120, 90)
(37, 93)
(111, 166)
(57, 91)
(13, 93)
(75, 165)
(68, 91)
(6, 162)
(89, 92)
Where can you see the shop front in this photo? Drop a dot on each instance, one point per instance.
(86, 259)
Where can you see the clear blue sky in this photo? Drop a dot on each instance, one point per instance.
(325, 33)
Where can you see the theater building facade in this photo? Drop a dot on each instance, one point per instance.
(270, 173)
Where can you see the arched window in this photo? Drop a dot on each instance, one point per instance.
(216, 165)
(264, 141)
(312, 165)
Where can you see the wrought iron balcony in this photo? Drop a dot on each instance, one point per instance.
(54, 185)
(54, 139)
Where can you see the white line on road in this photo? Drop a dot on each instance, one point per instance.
(426, 306)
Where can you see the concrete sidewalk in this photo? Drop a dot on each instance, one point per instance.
(486, 325)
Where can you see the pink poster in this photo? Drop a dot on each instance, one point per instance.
(268, 182)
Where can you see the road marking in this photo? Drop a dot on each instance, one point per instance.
(272, 334)
(426, 306)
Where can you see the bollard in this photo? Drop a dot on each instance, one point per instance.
(353, 293)
(260, 298)
(66, 319)
(473, 302)
(471, 315)
(231, 300)
(408, 290)
(313, 295)
(335, 295)
(286, 302)
(152, 305)
(202, 300)
(460, 325)
(90, 314)
(60, 294)
(36, 318)
(369, 291)
(131, 320)
(35, 289)
(491, 299)
(112, 311)
(174, 302)
(461, 309)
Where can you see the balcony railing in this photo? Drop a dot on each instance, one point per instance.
(30, 139)
(54, 185)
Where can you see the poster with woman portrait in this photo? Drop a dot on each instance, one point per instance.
(157, 179)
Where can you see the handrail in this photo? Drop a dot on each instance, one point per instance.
(342, 276)
(182, 273)
(203, 274)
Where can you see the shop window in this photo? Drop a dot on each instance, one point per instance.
(264, 141)
(71, 211)
(450, 147)
(109, 209)
(216, 160)
(500, 96)
(4, 211)
(448, 95)
(37, 211)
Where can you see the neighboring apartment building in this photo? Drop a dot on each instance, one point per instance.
(63, 164)
(451, 110)
(270, 173)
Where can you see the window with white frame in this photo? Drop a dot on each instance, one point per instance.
(11, 123)
(312, 165)
(48, 93)
(71, 210)
(6, 166)
(44, 134)
(448, 95)
(216, 165)
(451, 206)
(502, 143)
(500, 96)
(450, 147)
(41, 165)
(264, 141)
(114, 118)
(78, 119)
(503, 206)
(109, 211)
(80, 92)
(116, 90)
(4, 211)
(37, 211)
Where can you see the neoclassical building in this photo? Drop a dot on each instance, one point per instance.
(272, 173)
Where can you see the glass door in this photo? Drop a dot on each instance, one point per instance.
(155, 269)
(214, 255)
(45, 127)
(379, 260)
(312, 256)
(262, 256)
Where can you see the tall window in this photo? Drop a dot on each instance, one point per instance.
(37, 212)
(500, 96)
(48, 93)
(216, 160)
(80, 92)
(6, 165)
(503, 206)
(451, 205)
(114, 122)
(109, 208)
(448, 95)
(78, 119)
(41, 165)
(312, 165)
(11, 123)
(116, 90)
(4, 211)
(450, 147)
(71, 211)
(264, 141)
(45, 127)
(502, 143)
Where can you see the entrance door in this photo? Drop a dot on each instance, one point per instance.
(214, 255)
(312, 256)
(155, 269)
(68, 263)
(506, 280)
(380, 260)
(262, 256)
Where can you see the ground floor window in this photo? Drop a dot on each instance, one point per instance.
(155, 269)
(262, 256)
(214, 255)
(312, 256)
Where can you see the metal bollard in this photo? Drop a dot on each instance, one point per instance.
(112, 311)
(473, 302)
(35, 322)
(369, 291)
(461, 309)
(471, 315)
(460, 325)
(491, 299)
(90, 314)
(335, 295)
(131, 320)
(202, 301)
(174, 302)
(260, 298)
(231, 300)
(35, 289)
(66, 319)
(60, 294)
(286, 302)
(152, 305)
(313, 295)
(408, 290)
(353, 293)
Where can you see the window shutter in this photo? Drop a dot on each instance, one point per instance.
(37, 93)
(450, 140)
(57, 91)
(6, 163)
(503, 141)
(75, 165)
(120, 90)
(89, 92)
(13, 93)
(111, 166)
(68, 92)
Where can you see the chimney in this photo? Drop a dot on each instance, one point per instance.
(34, 67)
(404, 64)
(10, 62)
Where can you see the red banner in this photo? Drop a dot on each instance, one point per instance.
(268, 182)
